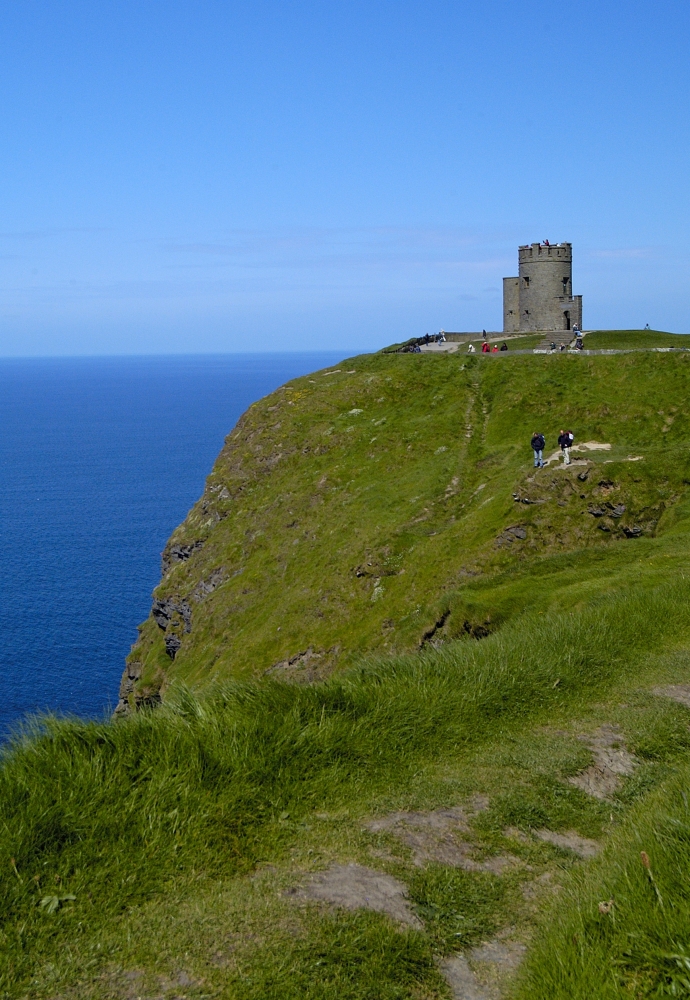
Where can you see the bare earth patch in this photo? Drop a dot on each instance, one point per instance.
(582, 446)
(462, 981)
(571, 841)
(539, 888)
(306, 667)
(592, 446)
(480, 973)
(612, 762)
(353, 887)
(441, 836)
(677, 692)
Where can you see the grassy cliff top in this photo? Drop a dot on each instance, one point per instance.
(392, 502)
(599, 340)
(502, 812)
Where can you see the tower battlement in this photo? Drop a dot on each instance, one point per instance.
(541, 297)
(532, 251)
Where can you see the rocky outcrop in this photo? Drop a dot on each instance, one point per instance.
(166, 612)
(178, 553)
(207, 586)
(174, 618)
(130, 697)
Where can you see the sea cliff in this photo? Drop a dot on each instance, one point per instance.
(382, 506)
(422, 719)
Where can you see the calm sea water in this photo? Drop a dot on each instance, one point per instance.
(100, 459)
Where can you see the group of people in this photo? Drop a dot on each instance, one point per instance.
(436, 338)
(538, 442)
(578, 346)
(487, 348)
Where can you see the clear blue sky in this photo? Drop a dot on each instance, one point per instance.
(218, 176)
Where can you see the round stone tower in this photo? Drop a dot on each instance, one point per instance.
(545, 276)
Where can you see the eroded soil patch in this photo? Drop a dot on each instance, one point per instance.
(612, 763)
(441, 836)
(571, 841)
(354, 887)
(482, 972)
(677, 692)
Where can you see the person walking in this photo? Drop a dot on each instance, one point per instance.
(538, 442)
(565, 440)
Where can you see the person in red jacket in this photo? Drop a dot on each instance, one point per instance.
(485, 347)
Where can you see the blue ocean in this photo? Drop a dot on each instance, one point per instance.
(100, 459)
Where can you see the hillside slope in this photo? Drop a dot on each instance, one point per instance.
(504, 818)
(392, 503)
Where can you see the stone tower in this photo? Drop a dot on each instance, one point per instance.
(541, 297)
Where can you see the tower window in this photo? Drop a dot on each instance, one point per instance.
(526, 280)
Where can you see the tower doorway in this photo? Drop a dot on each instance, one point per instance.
(566, 318)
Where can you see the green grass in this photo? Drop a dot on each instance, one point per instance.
(165, 845)
(133, 819)
(622, 928)
(336, 534)
(458, 907)
(625, 339)
(526, 343)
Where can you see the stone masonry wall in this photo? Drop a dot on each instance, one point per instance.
(545, 278)
(541, 297)
(511, 305)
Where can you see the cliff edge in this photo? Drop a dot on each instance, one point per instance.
(381, 506)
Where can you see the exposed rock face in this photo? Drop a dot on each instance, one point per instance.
(128, 692)
(207, 586)
(174, 617)
(518, 532)
(132, 673)
(165, 612)
(178, 553)
(172, 644)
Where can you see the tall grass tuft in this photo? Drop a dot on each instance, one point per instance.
(622, 928)
(101, 816)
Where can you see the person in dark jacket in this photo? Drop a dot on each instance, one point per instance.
(538, 443)
(565, 440)
(504, 346)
